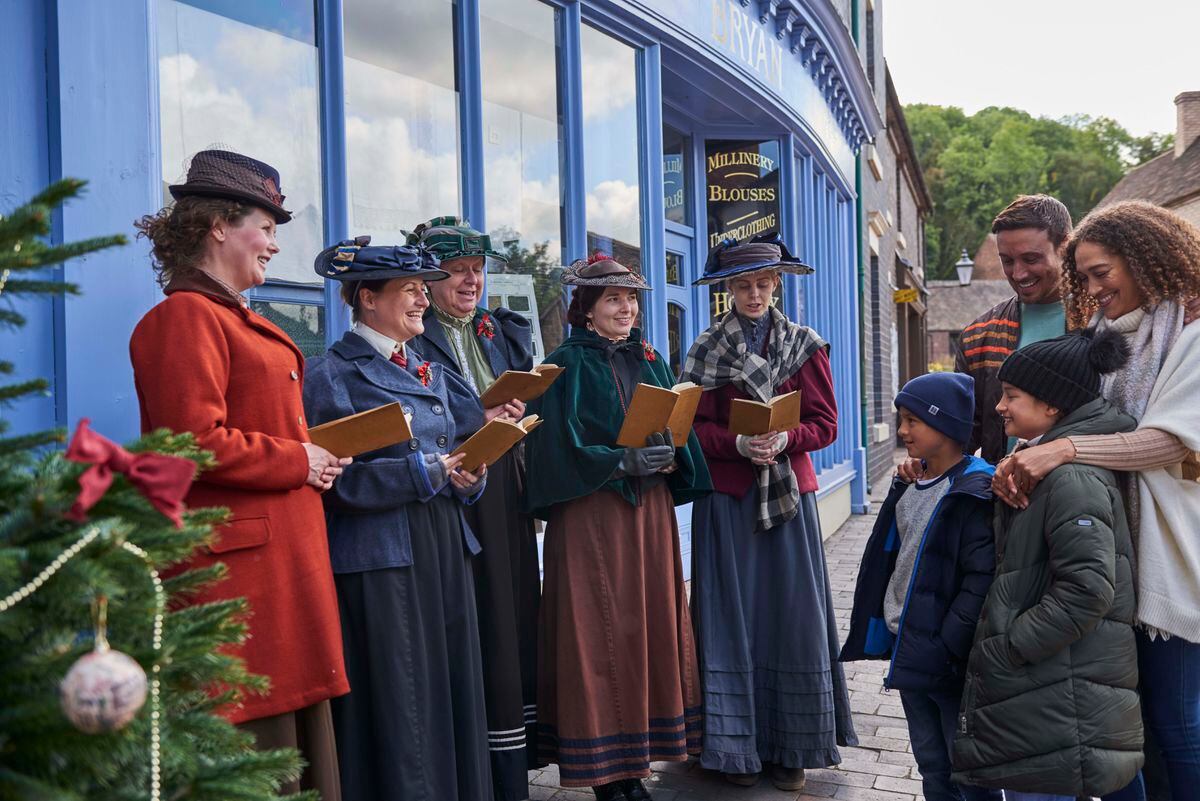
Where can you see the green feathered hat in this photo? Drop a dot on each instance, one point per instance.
(451, 238)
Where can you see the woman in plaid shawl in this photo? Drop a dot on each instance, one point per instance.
(773, 690)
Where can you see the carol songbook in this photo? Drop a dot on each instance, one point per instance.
(752, 418)
(520, 384)
(363, 432)
(655, 409)
(494, 440)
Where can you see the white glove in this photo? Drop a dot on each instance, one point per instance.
(743, 444)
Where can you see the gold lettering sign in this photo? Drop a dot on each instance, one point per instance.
(742, 194)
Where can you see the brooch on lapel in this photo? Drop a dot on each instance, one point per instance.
(648, 351)
(486, 327)
(425, 374)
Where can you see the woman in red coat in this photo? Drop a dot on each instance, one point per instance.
(775, 696)
(205, 363)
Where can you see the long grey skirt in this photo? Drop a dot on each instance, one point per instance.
(414, 726)
(773, 688)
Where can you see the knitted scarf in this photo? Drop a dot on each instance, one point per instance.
(1150, 335)
(719, 356)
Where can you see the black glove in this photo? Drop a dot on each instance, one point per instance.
(663, 438)
(646, 461)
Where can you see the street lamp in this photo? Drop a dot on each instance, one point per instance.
(965, 267)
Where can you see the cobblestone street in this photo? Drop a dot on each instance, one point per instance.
(881, 768)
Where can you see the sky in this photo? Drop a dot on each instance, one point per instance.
(1051, 58)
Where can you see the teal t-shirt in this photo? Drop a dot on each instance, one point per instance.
(1039, 322)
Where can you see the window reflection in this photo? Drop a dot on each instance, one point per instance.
(677, 147)
(675, 314)
(304, 323)
(674, 268)
(610, 139)
(244, 76)
(522, 135)
(401, 114)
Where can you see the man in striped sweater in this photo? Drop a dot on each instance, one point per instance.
(1030, 235)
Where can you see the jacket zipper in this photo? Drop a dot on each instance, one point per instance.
(964, 726)
(887, 682)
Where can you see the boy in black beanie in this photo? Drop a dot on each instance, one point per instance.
(1050, 704)
(925, 572)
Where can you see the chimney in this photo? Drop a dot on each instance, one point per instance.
(1187, 120)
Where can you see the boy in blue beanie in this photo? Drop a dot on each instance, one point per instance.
(925, 572)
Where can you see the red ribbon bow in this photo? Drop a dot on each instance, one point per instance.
(163, 480)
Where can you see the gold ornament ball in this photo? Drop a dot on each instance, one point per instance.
(103, 691)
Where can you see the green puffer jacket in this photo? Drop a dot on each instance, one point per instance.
(1050, 703)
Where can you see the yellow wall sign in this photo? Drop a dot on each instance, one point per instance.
(905, 295)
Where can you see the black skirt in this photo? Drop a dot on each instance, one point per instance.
(413, 725)
(506, 592)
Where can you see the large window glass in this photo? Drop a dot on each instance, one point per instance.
(401, 114)
(244, 76)
(522, 136)
(610, 144)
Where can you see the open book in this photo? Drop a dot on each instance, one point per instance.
(781, 413)
(656, 408)
(524, 386)
(494, 440)
(366, 431)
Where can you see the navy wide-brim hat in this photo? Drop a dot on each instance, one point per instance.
(230, 175)
(763, 252)
(357, 260)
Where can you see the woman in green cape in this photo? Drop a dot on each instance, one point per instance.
(618, 683)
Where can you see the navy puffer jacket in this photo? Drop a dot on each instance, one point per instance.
(950, 579)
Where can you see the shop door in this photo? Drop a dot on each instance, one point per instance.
(682, 317)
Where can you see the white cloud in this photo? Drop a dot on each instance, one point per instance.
(270, 112)
(613, 210)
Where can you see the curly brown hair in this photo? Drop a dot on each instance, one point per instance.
(178, 232)
(1161, 248)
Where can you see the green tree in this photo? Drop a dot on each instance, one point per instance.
(42, 756)
(974, 165)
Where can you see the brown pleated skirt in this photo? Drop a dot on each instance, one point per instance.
(309, 730)
(618, 682)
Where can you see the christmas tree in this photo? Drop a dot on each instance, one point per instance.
(59, 597)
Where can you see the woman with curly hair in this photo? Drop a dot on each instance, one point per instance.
(1129, 267)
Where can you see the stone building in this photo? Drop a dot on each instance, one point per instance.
(1171, 180)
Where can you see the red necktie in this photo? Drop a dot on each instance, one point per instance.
(399, 358)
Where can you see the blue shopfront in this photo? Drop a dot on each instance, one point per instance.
(648, 128)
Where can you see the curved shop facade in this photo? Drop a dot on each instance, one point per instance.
(649, 129)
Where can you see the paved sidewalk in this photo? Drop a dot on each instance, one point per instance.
(881, 768)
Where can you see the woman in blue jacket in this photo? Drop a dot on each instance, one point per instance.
(413, 725)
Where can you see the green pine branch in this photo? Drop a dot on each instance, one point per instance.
(42, 756)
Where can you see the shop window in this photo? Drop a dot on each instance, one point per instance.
(677, 173)
(402, 144)
(742, 199)
(610, 145)
(244, 76)
(522, 141)
(304, 323)
(675, 329)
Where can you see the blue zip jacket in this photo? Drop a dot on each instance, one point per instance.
(949, 582)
